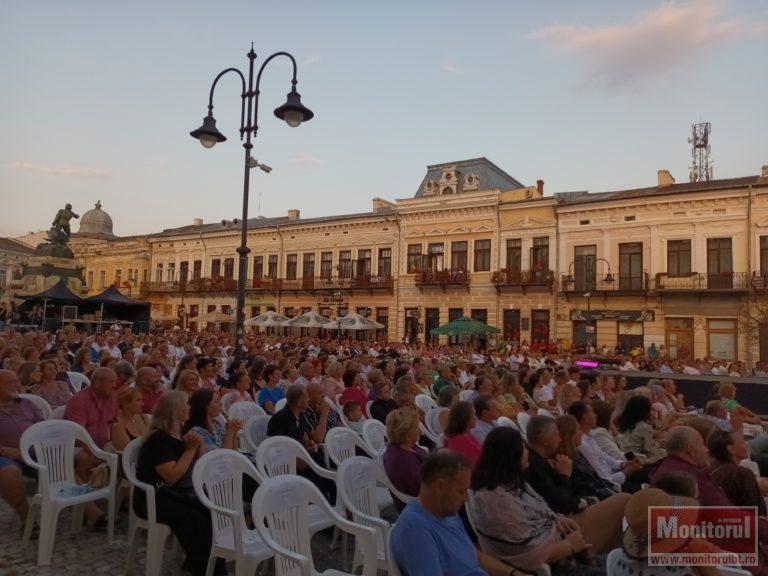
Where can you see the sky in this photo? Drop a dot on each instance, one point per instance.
(97, 100)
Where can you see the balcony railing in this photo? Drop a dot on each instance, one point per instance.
(218, 284)
(605, 284)
(442, 278)
(320, 284)
(697, 282)
(506, 278)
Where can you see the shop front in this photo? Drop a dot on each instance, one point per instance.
(628, 325)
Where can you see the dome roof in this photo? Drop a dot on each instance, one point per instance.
(96, 221)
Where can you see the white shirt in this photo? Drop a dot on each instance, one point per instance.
(606, 467)
(690, 370)
(115, 352)
(606, 443)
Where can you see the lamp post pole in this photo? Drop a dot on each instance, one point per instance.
(293, 112)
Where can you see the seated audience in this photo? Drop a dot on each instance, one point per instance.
(449, 396)
(741, 487)
(204, 409)
(149, 386)
(429, 538)
(383, 404)
(125, 375)
(458, 437)
(206, 370)
(353, 389)
(354, 416)
(402, 456)
(271, 393)
(318, 417)
(131, 422)
(55, 392)
(586, 482)
(486, 415)
(636, 433)
(332, 383)
(240, 391)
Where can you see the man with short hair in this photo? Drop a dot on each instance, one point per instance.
(686, 452)
(306, 374)
(96, 406)
(148, 385)
(487, 413)
(317, 418)
(429, 538)
(125, 373)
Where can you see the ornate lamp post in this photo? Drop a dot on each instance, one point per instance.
(293, 112)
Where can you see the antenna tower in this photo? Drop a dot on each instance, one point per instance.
(701, 168)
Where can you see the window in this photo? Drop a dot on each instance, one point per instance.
(540, 254)
(413, 263)
(118, 277)
(272, 266)
(719, 263)
(3, 277)
(229, 268)
(89, 279)
(326, 265)
(382, 315)
(631, 266)
(102, 278)
(131, 275)
(197, 269)
(211, 308)
(159, 273)
(721, 339)
(540, 327)
(764, 255)
(364, 263)
(170, 275)
(145, 275)
(514, 255)
(459, 256)
(215, 268)
(255, 311)
(194, 310)
(291, 266)
(258, 268)
(678, 258)
(184, 272)
(308, 265)
(482, 255)
(584, 269)
(385, 264)
(435, 257)
(345, 264)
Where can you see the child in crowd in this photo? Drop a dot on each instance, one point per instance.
(354, 415)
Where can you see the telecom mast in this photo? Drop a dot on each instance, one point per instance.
(701, 169)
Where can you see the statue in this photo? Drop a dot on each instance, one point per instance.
(61, 222)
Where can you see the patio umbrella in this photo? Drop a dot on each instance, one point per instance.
(353, 321)
(213, 317)
(464, 327)
(312, 320)
(269, 319)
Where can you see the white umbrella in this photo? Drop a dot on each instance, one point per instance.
(269, 319)
(353, 321)
(312, 320)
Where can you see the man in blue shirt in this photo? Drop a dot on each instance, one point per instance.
(429, 538)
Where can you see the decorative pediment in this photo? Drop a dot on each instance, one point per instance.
(527, 222)
(481, 228)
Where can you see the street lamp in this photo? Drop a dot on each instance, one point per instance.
(293, 112)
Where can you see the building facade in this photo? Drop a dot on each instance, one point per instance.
(684, 265)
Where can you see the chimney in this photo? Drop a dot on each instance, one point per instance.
(764, 175)
(665, 179)
(294, 214)
(197, 222)
(540, 186)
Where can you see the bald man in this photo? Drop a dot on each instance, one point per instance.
(148, 384)
(306, 374)
(16, 415)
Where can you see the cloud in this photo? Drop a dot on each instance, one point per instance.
(311, 61)
(60, 169)
(451, 69)
(307, 160)
(653, 43)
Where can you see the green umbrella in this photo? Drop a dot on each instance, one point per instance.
(464, 327)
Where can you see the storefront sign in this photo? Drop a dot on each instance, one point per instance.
(617, 315)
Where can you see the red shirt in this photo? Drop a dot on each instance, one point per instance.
(356, 394)
(149, 400)
(466, 445)
(93, 415)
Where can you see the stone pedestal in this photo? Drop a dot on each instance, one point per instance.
(42, 272)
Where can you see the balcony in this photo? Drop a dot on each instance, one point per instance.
(605, 285)
(759, 282)
(312, 284)
(218, 284)
(725, 282)
(523, 279)
(442, 279)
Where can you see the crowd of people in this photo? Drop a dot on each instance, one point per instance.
(527, 460)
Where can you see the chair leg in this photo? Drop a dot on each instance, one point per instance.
(49, 516)
(28, 526)
(211, 564)
(155, 552)
(111, 518)
(78, 513)
(133, 535)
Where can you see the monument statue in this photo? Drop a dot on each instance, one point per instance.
(58, 236)
(61, 222)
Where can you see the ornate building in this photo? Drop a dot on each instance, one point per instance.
(677, 264)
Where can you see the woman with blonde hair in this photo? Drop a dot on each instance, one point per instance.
(165, 460)
(187, 381)
(402, 457)
(332, 383)
(131, 422)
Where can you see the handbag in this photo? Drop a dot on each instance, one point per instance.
(99, 477)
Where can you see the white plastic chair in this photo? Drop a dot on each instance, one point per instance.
(368, 408)
(281, 514)
(731, 571)
(244, 411)
(218, 481)
(157, 533)
(58, 413)
(384, 479)
(426, 432)
(40, 403)
(277, 455)
(340, 444)
(394, 569)
(357, 481)
(54, 444)
(466, 395)
(507, 422)
(751, 466)
(522, 423)
(425, 403)
(281, 404)
(254, 432)
(375, 435)
(78, 380)
(432, 420)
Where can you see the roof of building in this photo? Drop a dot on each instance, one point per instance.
(96, 222)
(488, 173)
(11, 245)
(582, 197)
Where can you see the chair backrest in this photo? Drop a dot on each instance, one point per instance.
(466, 395)
(340, 444)
(357, 481)
(218, 481)
(78, 380)
(277, 455)
(337, 400)
(244, 410)
(281, 404)
(750, 465)
(432, 420)
(506, 422)
(255, 431)
(58, 413)
(425, 403)
(368, 408)
(426, 432)
(375, 435)
(731, 571)
(39, 402)
(54, 444)
(522, 422)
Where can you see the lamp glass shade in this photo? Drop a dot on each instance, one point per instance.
(609, 278)
(208, 134)
(293, 111)
(207, 141)
(293, 118)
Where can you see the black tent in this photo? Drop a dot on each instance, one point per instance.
(45, 308)
(117, 306)
(59, 293)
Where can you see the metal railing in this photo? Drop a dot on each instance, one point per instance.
(443, 277)
(507, 277)
(696, 282)
(605, 283)
(319, 283)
